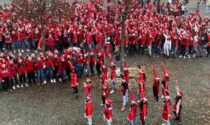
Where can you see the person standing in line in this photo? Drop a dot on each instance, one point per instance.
(74, 81)
(143, 109)
(178, 104)
(113, 76)
(133, 109)
(166, 114)
(89, 110)
(107, 112)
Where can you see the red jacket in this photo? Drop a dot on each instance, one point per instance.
(88, 109)
(143, 111)
(62, 67)
(157, 84)
(92, 60)
(49, 63)
(107, 111)
(126, 73)
(104, 75)
(21, 69)
(30, 66)
(113, 73)
(166, 111)
(74, 79)
(132, 113)
(87, 88)
(13, 70)
(50, 42)
(4, 73)
(39, 64)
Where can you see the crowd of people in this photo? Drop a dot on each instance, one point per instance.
(80, 47)
(136, 100)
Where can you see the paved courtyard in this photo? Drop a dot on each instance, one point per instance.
(53, 104)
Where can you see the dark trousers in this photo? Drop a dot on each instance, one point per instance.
(98, 68)
(178, 116)
(208, 51)
(31, 77)
(8, 46)
(5, 83)
(132, 49)
(92, 68)
(142, 50)
(1, 45)
(22, 79)
(55, 72)
(13, 81)
(75, 90)
(182, 50)
(103, 100)
(143, 122)
(155, 92)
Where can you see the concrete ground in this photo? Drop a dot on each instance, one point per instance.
(53, 104)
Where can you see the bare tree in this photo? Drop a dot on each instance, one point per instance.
(41, 12)
(125, 7)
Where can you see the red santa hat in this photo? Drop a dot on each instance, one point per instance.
(88, 79)
(142, 70)
(167, 98)
(112, 62)
(180, 93)
(89, 97)
(3, 65)
(109, 101)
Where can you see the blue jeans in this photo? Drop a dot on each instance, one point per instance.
(113, 85)
(62, 75)
(48, 72)
(15, 45)
(92, 68)
(198, 49)
(80, 69)
(156, 49)
(168, 122)
(41, 76)
(174, 49)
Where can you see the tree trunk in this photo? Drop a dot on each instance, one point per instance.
(122, 53)
(43, 37)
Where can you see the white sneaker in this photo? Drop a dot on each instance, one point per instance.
(22, 86)
(22, 51)
(112, 92)
(45, 82)
(180, 56)
(51, 81)
(14, 51)
(18, 86)
(26, 84)
(54, 80)
(189, 56)
(184, 57)
(13, 88)
(194, 56)
(60, 79)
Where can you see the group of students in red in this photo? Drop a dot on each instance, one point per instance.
(107, 84)
(92, 26)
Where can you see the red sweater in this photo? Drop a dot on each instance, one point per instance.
(30, 66)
